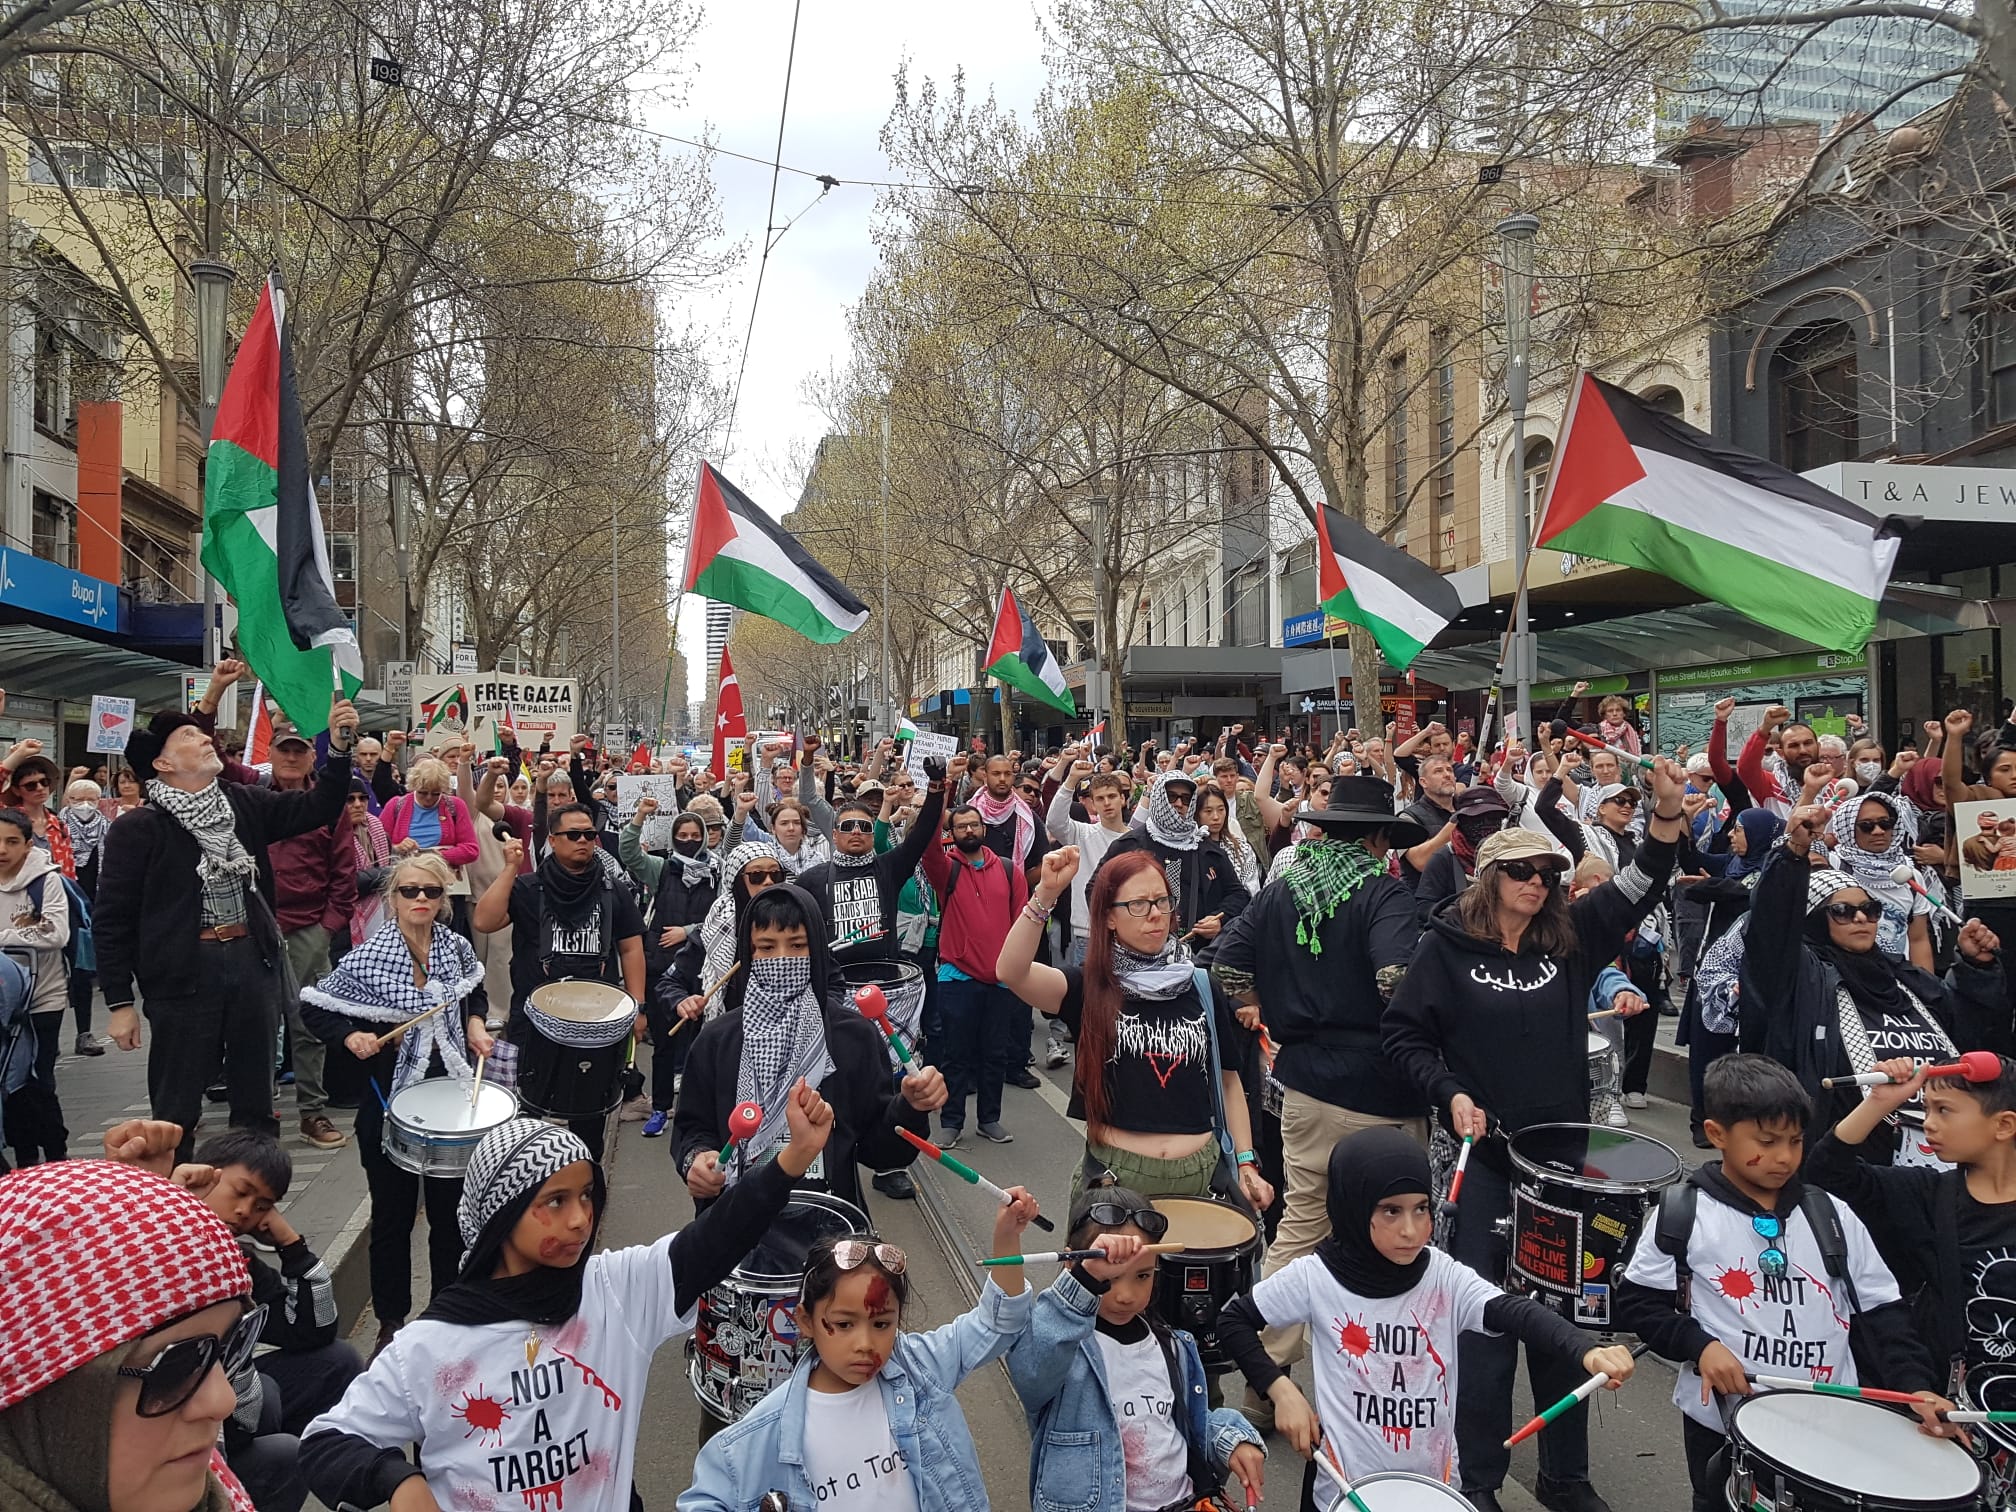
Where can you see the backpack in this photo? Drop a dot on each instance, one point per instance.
(80, 952)
(1674, 1226)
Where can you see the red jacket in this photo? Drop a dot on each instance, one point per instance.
(977, 910)
(315, 879)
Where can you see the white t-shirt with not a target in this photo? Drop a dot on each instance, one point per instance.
(851, 1456)
(1385, 1366)
(1792, 1325)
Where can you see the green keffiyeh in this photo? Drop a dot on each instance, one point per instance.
(1324, 875)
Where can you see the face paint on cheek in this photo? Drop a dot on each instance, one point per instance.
(1754, 1160)
(553, 1249)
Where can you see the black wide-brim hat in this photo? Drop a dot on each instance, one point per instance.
(1358, 804)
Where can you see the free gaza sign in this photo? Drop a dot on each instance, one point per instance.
(476, 704)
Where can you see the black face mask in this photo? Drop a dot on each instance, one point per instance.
(969, 843)
(686, 847)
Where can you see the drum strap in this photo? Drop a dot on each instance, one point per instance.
(1218, 1122)
(1200, 1460)
(1674, 1227)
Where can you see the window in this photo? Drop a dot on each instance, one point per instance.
(81, 165)
(1442, 522)
(1539, 463)
(50, 408)
(1298, 580)
(343, 557)
(1666, 400)
(1815, 377)
(1246, 607)
(55, 529)
(1396, 434)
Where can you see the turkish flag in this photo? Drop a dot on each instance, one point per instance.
(728, 721)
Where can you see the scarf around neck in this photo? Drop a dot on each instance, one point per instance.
(1166, 826)
(87, 832)
(509, 1167)
(1326, 873)
(995, 811)
(1167, 974)
(225, 868)
(1872, 869)
(374, 982)
(701, 867)
(783, 1038)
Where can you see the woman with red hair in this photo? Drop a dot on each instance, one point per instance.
(1151, 1030)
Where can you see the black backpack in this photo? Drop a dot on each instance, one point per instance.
(1674, 1226)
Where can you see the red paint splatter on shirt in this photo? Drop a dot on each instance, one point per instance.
(449, 1379)
(1397, 1438)
(545, 1498)
(486, 1417)
(1441, 1366)
(1738, 1285)
(1840, 1318)
(609, 1397)
(1352, 1338)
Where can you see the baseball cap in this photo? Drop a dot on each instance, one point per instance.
(1517, 845)
(293, 737)
(1611, 790)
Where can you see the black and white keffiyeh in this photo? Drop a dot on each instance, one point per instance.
(717, 930)
(1157, 978)
(514, 1158)
(783, 1038)
(374, 982)
(226, 868)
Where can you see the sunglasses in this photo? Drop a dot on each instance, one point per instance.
(1526, 871)
(1771, 1260)
(1843, 913)
(1118, 1215)
(852, 1254)
(174, 1375)
(30, 784)
(428, 890)
(763, 873)
(1141, 908)
(1629, 800)
(854, 827)
(574, 834)
(1875, 826)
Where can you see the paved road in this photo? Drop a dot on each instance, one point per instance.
(1636, 1439)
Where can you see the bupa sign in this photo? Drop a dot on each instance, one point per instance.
(43, 587)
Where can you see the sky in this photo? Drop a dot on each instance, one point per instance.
(842, 89)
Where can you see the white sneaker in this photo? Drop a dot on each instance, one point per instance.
(1615, 1118)
(1634, 1100)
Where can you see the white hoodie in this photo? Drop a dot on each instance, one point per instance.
(43, 938)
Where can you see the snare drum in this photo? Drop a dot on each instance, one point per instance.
(1816, 1453)
(1220, 1260)
(745, 1340)
(1577, 1205)
(432, 1128)
(1993, 1389)
(1394, 1491)
(902, 985)
(578, 1071)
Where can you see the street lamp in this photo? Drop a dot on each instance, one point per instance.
(213, 282)
(396, 486)
(1515, 237)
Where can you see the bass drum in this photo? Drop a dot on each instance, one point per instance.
(574, 1069)
(745, 1340)
(1220, 1260)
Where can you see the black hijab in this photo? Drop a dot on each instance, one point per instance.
(1365, 1168)
(1869, 975)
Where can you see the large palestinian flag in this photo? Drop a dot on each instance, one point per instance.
(1634, 486)
(1403, 602)
(262, 534)
(1021, 658)
(739, 555)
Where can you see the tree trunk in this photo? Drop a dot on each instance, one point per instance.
(1365, 683)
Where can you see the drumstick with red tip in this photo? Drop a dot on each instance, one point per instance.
(1462, 1164)
(1974, 1066)
(875, 1008)
(1581, 1393)
(1874, 1394)
(743, 1121)
(966, 1173)
(1906, 875)
(1627, 758)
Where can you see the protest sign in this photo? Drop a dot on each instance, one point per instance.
(929, 743)
(664, 787)
(111, 724)
(539, 707)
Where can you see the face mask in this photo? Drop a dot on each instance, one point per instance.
(686, 847)
(83, 806)
(1868, 771)
(781, 976)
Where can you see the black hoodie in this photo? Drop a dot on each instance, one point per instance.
(1513, 1030)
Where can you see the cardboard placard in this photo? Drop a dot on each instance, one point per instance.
(111, 724)
(539, 707)
(928, 743)
(1987, 833)
(665, 788)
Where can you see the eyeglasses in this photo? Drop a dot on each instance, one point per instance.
(1526, 871)
(411, 890)
(1843, 913)
(855, 827)
(851, 1254)
(1141, 908)
(763, 874)
(1771, 1260)
(1150, 1221)
(1875, 826)
(574, 834)
(175, 1374)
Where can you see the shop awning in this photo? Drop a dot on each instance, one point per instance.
(36, 662)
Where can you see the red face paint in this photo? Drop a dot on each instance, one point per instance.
(878, 1294)
(1754, 1160)
(558, 1251)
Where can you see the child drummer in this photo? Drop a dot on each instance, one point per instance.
(1758, 1294)
(1950, 1233)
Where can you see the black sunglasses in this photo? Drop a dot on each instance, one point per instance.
(576, 834)
(174, 1375)
(28, 783)
(855, 827)
(763, 874)
(1844, 912)
(1150, 1221)
(1526, 871)
(420, 890)
(1875, 826)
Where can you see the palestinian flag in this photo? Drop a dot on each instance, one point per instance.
(729, 723)
(739, 555)
(1367, 581)
(1020, 657)
(502, 727)
(1631, 485)
(450, 710)
(262, 534)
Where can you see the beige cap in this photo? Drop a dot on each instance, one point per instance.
(1516, 845)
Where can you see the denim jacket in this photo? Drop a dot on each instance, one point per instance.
(1076, 1462)
(765, 1451)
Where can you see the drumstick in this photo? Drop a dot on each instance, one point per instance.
(1828, 1388)
(1324, 1459)
(875, 1008)
(967, 1173)
(705, 998)
(1606, 1013)
(1971, 1416)
(1907, 875)
(1462, 1164)
(1065, 1257)
(1975, 1066)
(1581, 1393)
(744, 1120)
(476, 1086)
(1624, 757)
(392, 1034)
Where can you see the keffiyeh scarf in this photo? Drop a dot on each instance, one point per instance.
(994, 811)
(1157, 978)
(87, 832)
(374, 982)
(783, 1038)
(226, 868)
(1872, 869)
(717, 929)
(1325, 875)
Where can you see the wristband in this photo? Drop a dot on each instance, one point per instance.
(1038, 913)
(1247, 1157)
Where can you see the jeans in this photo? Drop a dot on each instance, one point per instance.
(396, 1195)
(308, 961)
(980, 1021)
(1641, 1040)
(1489, 1366)
(231, 1023)
(34, 1118)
